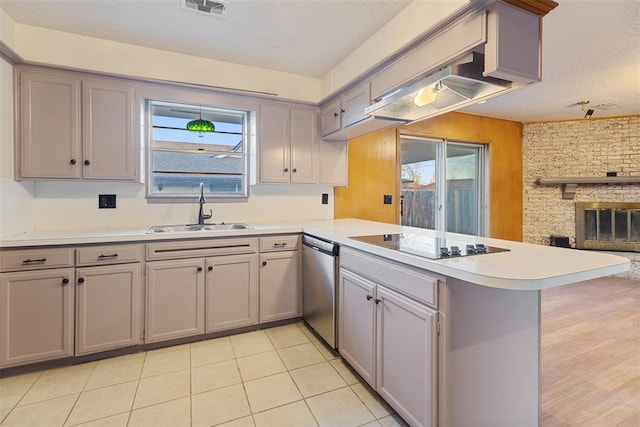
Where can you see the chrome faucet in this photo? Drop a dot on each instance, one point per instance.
(201, 215)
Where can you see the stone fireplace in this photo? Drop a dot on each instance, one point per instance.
(608, 226)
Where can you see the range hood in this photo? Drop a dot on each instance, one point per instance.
(445, 90)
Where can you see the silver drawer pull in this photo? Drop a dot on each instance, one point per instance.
(108, 256)
(279, 245)
(34, 261)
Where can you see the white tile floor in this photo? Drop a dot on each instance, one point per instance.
(276, 377)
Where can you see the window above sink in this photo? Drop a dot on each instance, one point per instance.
(179, 160)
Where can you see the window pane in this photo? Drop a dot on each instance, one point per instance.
(197, 162)
(590, 225)
(180, 159)
(621, 225)
(219, 140)
(462, 189)
(635, 226)
(605, 224)
(418, 182)
(180, 184)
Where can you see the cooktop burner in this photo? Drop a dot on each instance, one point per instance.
(429, 247)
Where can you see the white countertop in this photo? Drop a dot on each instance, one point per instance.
(524, 267)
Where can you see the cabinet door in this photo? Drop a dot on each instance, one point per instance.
(333, 163)
(274, 143)
(175, 299)
(108, 307)
(36, 320)
(357, 323)
(109, 148)
(353, 104)
(513, 44)
(279, 294)
(330, 118)
(49, 126)
(304, 147)
(231, 292)
(406, 357)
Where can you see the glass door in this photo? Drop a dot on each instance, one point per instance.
(418, 188)
(442, 185)
(464, 210)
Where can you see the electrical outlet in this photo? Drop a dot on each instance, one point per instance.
(106, 201)
(325, 199)
(387, 199)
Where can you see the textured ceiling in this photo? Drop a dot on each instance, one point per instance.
(591, 51)
(590, 47)
(307, 37)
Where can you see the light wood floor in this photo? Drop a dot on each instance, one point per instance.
(591, 354)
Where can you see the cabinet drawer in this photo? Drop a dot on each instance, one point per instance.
(203, 247)
(410, 281)
(110, 254)
(33, 259)
(279, 243)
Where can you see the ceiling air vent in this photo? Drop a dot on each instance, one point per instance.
(206, 6)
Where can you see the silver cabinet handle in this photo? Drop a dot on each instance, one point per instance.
(34, 261)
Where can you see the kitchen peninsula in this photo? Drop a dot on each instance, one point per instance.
(452, 341)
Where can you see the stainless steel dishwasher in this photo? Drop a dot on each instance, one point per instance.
(319, 278)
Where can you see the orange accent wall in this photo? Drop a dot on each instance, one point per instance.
(373, 169)
(372, 173)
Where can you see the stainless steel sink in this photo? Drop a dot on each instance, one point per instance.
(195, 227)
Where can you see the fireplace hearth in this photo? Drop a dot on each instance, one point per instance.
(608, 226)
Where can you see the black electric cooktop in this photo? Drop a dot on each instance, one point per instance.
(429, 247)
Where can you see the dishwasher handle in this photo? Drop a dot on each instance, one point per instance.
(322, 246)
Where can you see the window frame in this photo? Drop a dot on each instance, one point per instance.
(148, 141)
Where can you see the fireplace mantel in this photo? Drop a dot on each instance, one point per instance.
(570, 184)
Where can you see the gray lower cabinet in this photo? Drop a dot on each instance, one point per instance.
(201, 286)
(231, 292)
(108, 307)
(36, 320)
(406, 375)
(175, 299)
(357, 334)
(279, 283)
(391, 341)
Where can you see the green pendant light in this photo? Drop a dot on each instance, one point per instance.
(200, 126)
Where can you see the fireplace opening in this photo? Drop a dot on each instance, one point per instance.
(608, 226)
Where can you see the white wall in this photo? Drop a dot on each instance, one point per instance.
(62, 49)
(16, 198)
(74, 205)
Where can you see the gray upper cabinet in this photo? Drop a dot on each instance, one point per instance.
(49, 126)
(288, 145)
(330, 118)
(344, 118)
(346, 110)
(73, 128)
(109, 151)
(513, 44)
